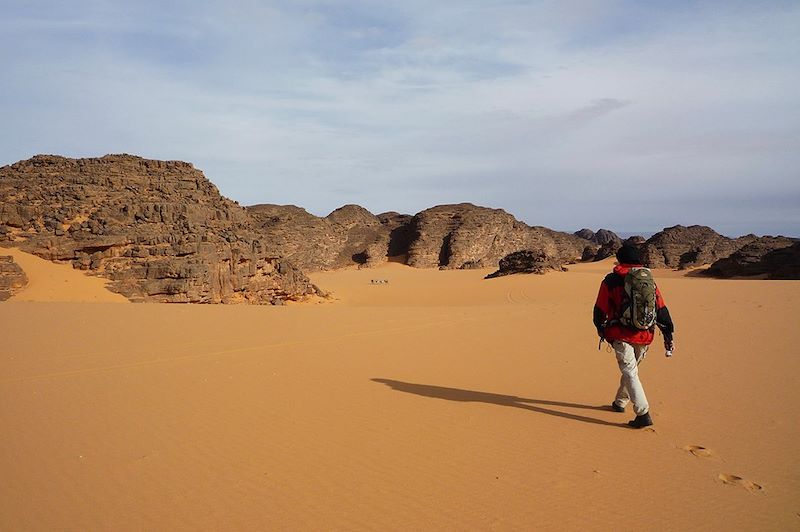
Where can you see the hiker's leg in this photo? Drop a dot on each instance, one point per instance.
(640, 351)
(628, 366)
(622, 396)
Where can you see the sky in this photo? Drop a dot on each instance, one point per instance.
(627, 115)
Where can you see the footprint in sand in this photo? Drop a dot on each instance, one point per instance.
(733, 480)
(697, 450)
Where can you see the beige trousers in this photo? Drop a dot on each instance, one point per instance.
(630, 387)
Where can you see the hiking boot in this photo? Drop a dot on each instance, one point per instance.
(641, 421)
(616, 408)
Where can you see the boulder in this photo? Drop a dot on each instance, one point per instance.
(526, 261)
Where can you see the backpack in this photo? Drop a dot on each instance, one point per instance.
(639, 299)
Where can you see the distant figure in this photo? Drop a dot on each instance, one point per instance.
(629, 306)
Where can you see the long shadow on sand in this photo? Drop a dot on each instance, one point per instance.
(456, 394)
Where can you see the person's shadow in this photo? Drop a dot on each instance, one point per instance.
(456, 394)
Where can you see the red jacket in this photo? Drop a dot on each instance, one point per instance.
(608, 308)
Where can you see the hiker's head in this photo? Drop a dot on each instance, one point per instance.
(628, 254)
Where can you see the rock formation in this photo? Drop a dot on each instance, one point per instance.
(12, 278)
(348, 236)
(770, 257)
(636, 240)
(601, 237)
(159, 230)
(526, 261)
(685, 247)
(467, 236)
(607, 240)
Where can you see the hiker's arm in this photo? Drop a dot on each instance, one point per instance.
(663, 319)
(601, 309)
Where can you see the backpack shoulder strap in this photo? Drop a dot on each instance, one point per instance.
(614, 280)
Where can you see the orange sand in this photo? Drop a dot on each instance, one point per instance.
(437, 401)
(48, 281)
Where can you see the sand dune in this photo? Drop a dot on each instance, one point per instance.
(434, 401)
(48, 281)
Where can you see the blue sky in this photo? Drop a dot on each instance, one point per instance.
(622, 114)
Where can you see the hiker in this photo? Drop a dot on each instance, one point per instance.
(629, 306)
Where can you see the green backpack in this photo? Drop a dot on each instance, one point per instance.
(639, 302)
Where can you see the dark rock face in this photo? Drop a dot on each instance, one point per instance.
(347, 236)
(686, 247)
(12, 278)
(467, 236)
(602, 236)
(771, 257)
(637, 241)
(607, 240)
(526, 261)
(609, 249)
(401, 234)
(158, 229)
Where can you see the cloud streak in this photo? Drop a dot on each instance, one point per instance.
(565, 115)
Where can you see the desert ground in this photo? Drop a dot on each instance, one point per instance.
(434, 401)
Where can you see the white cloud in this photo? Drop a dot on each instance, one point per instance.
(558, 114)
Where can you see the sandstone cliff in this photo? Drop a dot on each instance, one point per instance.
(468, 236)
(158, 229)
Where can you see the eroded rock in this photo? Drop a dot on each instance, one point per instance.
(686, 247)
(526, 261)
(769, 257)
(158, 229)
(468, 236)
(348, 236)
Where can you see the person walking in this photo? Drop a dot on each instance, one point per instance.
(628, 308)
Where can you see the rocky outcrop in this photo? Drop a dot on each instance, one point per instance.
(12, 278)
(159, 230)
(467, 236)
(686, 247)
(636, 240)
(609, 249)
(526, 261)
(769, 257)
(350, 235)
(601, 237)
(606, 243)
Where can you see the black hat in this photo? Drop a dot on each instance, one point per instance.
(628, 254)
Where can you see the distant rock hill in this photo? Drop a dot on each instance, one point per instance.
(686, 247)
(608, 241)
(769, 257)
(447, 236)
(467, 236)
(347, 236)
(159, 230)
(601, 237)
